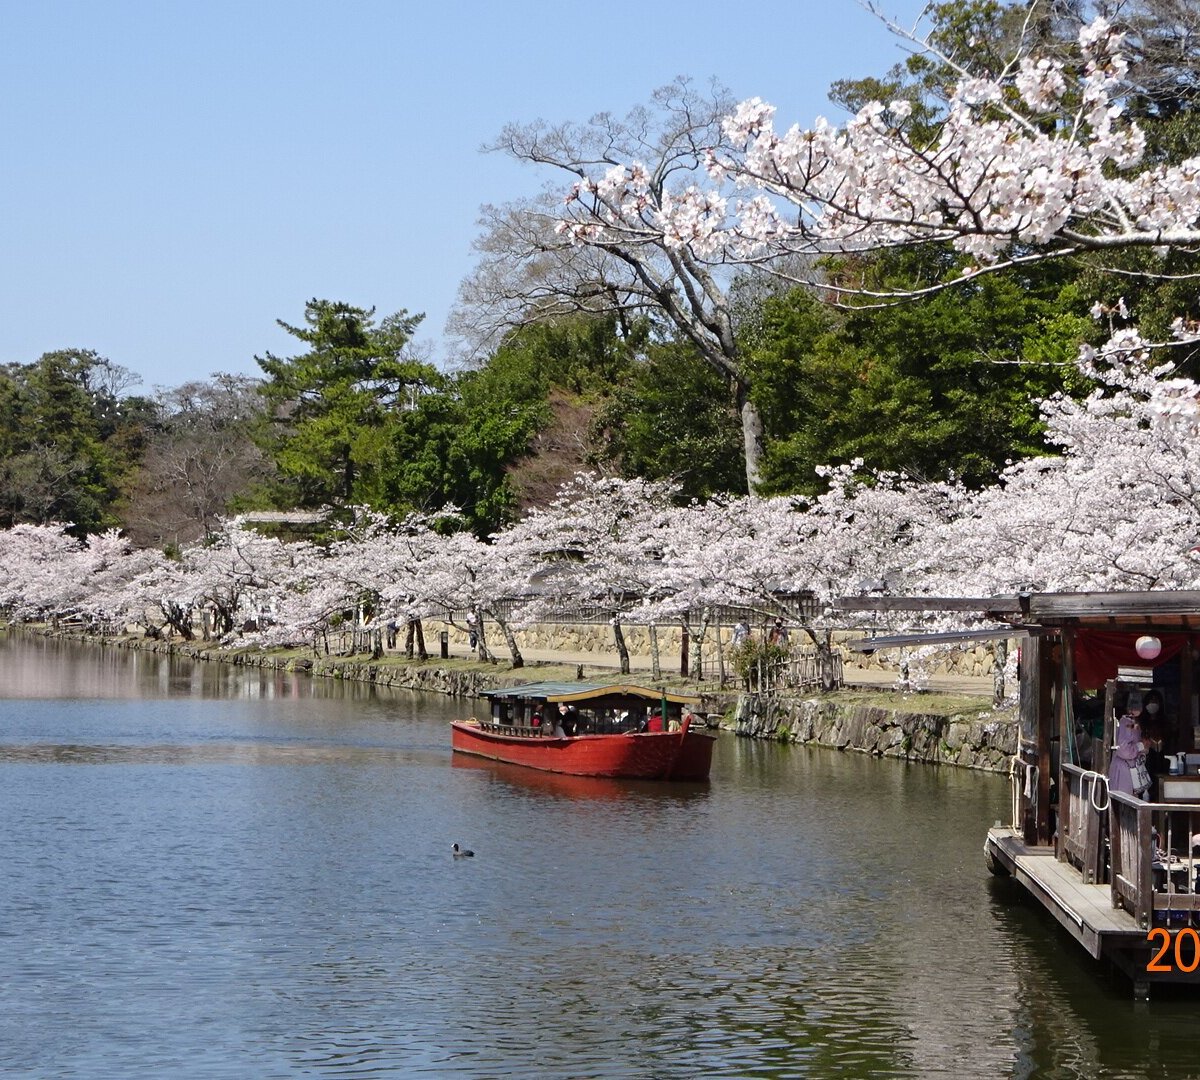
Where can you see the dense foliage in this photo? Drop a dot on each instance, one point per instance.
(68, 439)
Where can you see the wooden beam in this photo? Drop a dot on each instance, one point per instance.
(1093, 605)
(1047, 679)
(1028, 750)
(1007, 605)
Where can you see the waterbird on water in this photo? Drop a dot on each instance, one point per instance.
(463, 853)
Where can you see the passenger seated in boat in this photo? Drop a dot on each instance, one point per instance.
(655, 723)
(536, 719)
(557, 732)
(569, 716)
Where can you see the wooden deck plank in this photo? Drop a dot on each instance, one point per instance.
(1084, 911)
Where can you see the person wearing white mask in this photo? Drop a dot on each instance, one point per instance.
(1154, 728)
(1127, 770)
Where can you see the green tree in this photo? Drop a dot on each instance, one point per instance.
(479, 441)
(673, 418)
(942, 387)
(336, 406)
(68, 439)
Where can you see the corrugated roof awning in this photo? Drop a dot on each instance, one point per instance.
(948, 637)
(1004, 605)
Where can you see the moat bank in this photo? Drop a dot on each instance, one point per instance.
(928, 728)
(912, 729)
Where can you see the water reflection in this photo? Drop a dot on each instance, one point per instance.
(264, 886)
(204, 754)
(556, 785)
(40, 668)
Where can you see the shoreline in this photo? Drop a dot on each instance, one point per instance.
(914, 728)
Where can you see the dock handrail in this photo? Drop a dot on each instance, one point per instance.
(1022, 779)
(1082, 820)
(1147, 838)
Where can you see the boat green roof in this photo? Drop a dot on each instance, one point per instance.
(575, 691)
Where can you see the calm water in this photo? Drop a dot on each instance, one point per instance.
(210, 872)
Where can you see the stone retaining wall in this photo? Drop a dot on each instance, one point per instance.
(970, 742)
(963, 661)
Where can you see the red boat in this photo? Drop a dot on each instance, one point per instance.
(614, 730)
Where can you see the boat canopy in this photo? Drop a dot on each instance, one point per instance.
(573, 692)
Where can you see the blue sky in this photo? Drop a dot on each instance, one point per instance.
(177, 176)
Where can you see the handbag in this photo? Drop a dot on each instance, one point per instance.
(1139, 774)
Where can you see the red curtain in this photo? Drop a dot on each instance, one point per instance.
(1098, 654)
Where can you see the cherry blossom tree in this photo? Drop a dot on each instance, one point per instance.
(610, 254)
(49, 574)
(1035, 162)
(29, 572)
(363, 577)
(489, 580)
(312, 602)
(1120, 509)
(596, 545)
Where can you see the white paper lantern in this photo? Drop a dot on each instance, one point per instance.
(1147, 647)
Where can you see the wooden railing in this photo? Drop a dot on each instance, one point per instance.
(1153, 868)
(1131, 849)
(1143, 850)
(798, 670)
(1083, 815)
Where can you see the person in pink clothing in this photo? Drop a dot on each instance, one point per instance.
(1129, 749)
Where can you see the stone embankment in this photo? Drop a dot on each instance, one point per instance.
(970, 740)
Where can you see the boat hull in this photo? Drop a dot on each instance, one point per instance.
(657, 755)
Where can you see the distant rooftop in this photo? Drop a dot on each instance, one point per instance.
(285, 517)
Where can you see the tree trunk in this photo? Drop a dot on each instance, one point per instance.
(179, 618)
(485, 654)
(825, 666)
(698, 642)
(720, 658)
(752, 436)
(683, 648)
(999, 660)
(414, 631)
(510, 639)
(622, 648)
(655, 668)
(823, 643)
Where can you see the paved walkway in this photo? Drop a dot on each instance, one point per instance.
(595, 664)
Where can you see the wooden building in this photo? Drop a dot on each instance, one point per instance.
(1119, 873)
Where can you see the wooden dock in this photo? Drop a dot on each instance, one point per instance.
(1086, 912)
